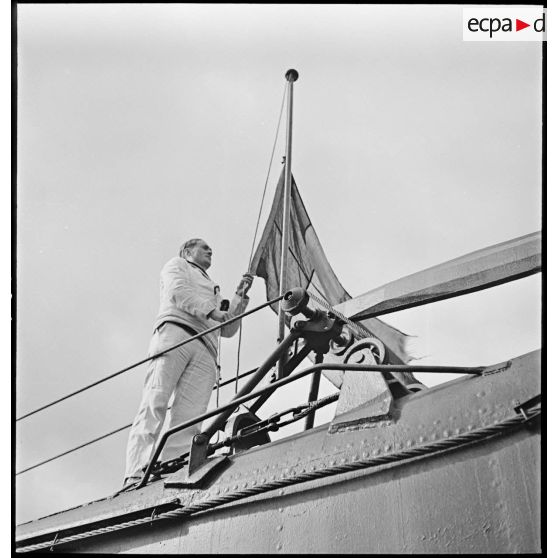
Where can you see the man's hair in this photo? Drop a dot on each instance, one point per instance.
(187, 245)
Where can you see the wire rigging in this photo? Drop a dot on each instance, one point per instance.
(218, 370)
(156, 355)
(258, 223)
(218, 374)
(238, 358)
(99, 438)
(268, 173)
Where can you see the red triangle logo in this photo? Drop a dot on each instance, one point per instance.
(519, 25)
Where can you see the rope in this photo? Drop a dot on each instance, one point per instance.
(220, 384)
(218, 373)
(268, 173)
(446, 444)
(73, 449)
(193, 338)
(258, 224)
(238, 358)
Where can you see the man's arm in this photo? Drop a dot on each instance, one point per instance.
(238, 305)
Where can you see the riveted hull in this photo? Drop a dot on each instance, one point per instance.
(459, 492)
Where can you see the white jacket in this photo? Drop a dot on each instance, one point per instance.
(188, 295)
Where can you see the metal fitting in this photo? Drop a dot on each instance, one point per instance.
(200, 439)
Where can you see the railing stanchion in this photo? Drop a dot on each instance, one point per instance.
(313, 395)
(477, 370)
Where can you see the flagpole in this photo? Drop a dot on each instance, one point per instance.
(292, 76)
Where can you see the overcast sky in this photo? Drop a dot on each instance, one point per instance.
(141, 126)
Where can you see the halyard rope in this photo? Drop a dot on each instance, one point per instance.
(267, 177)
(258, 224)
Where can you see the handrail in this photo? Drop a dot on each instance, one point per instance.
(478, 370)
(193, 338)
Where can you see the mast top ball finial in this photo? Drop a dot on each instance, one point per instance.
(291, 75)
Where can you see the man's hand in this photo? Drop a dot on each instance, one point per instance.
(244, 285)
(219, 315)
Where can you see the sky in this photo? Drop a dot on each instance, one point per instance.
(140, 126)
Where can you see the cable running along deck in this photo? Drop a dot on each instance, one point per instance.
(399, 457)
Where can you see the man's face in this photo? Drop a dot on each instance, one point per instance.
(200, 254)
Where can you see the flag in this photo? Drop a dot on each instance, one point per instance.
(308, 267)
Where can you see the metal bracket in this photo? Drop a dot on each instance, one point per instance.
(51, 548)
(529, 405)
(199, 466)
(198, 453)
(240, 420)
(183, 479)
(319, 331)
(365, 398)
(496, 368)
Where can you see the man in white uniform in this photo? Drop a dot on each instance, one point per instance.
(190, 303)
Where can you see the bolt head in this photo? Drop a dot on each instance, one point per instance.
(199, 439)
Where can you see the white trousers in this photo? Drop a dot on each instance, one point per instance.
(189, 372)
